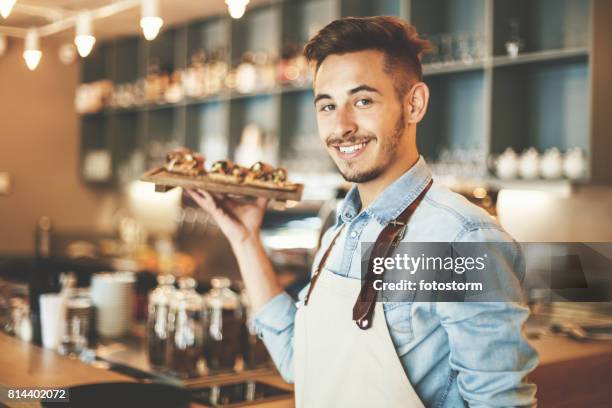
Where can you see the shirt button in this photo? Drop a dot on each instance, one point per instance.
(353, 234)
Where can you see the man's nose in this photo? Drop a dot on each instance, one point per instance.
(345, 125)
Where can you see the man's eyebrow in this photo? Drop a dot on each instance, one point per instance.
(363, 88)
(359, 88)
(321, 96)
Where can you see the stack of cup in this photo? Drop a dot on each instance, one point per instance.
(112, 295)
(52, 319)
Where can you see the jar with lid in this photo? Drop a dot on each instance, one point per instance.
(254, 352)
(226, 320)
(186, 323)
(157, 321)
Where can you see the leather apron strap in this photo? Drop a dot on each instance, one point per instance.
(392, 233)
(317, 272)
(389, 237)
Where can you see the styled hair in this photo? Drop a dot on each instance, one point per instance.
(396, 38)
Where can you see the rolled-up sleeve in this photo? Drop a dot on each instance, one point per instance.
(274, 323)
(487, 347)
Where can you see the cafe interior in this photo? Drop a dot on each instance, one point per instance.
(94, 254)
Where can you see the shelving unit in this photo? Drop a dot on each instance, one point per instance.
(541, 98)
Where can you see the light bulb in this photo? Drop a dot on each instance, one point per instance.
(32, 53)
(151, 26)
(150, 21)
(236, 8)
(84, 39)
(6, 6)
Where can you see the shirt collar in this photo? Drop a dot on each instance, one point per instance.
(392, 201)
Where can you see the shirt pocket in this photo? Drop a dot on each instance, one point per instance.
(399, 322)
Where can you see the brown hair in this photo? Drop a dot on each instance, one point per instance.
(396, 38)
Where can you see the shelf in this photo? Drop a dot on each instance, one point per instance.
(221, 97)
(541, 98)
(451, 68)
(561, 187)
(541, 56)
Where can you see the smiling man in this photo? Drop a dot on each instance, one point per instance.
(369, 98)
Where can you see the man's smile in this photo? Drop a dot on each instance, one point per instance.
(348, 151)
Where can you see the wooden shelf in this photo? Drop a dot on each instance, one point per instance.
(541, 98)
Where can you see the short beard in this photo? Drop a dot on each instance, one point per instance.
(388, 151)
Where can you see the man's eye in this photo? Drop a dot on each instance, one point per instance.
(363, 102)
(327, 108)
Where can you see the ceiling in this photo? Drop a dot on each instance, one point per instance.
(124, 23)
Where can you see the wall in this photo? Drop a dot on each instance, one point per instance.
(537, 216)
(39, 144)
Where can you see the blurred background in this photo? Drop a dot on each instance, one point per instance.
(94, 92)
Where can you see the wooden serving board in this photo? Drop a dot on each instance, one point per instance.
(165, 180)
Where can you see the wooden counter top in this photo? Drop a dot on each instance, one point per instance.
(570, 373)
(26, 365)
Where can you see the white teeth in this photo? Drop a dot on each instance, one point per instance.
(351, 149)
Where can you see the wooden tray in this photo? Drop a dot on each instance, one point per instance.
(164, 181)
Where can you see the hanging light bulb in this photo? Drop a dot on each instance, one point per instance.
(236, 8)
(84, 39)
(32, 53)
(150, 20)
(6, 6)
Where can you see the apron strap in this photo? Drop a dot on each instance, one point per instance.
(317, 271)
(389, 237)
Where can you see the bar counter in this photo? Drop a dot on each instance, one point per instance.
(570, 374)
(25, 365)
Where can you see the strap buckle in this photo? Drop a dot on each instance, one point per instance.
(401, 233)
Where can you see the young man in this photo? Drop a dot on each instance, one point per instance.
(369, 98)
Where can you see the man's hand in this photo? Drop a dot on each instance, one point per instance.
(240, 222)
(237, 220)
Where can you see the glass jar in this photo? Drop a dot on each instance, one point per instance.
(187, 328)
(224, 333)
(254, 352)
(157, 321)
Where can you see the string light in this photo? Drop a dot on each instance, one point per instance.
(150, 21)
(32, 53)
(84, 39)
(236, 8)
(6, 6)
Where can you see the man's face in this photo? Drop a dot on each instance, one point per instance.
(359, 114)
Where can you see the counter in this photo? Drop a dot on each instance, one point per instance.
(571, 374)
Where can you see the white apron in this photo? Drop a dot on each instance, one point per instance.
(337, 364)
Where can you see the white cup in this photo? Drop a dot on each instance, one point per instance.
(112, 295)
(52, 319)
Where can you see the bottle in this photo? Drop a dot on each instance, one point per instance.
(186, 327)
(43, 238)
(43, 278)
(157, 321)
(222, 343)
(254, 352)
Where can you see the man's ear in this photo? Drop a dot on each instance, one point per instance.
(416, 101)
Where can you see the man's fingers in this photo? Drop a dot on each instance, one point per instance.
(262, 202)
(202, 200)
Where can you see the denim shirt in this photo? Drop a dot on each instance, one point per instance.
(454, 354)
